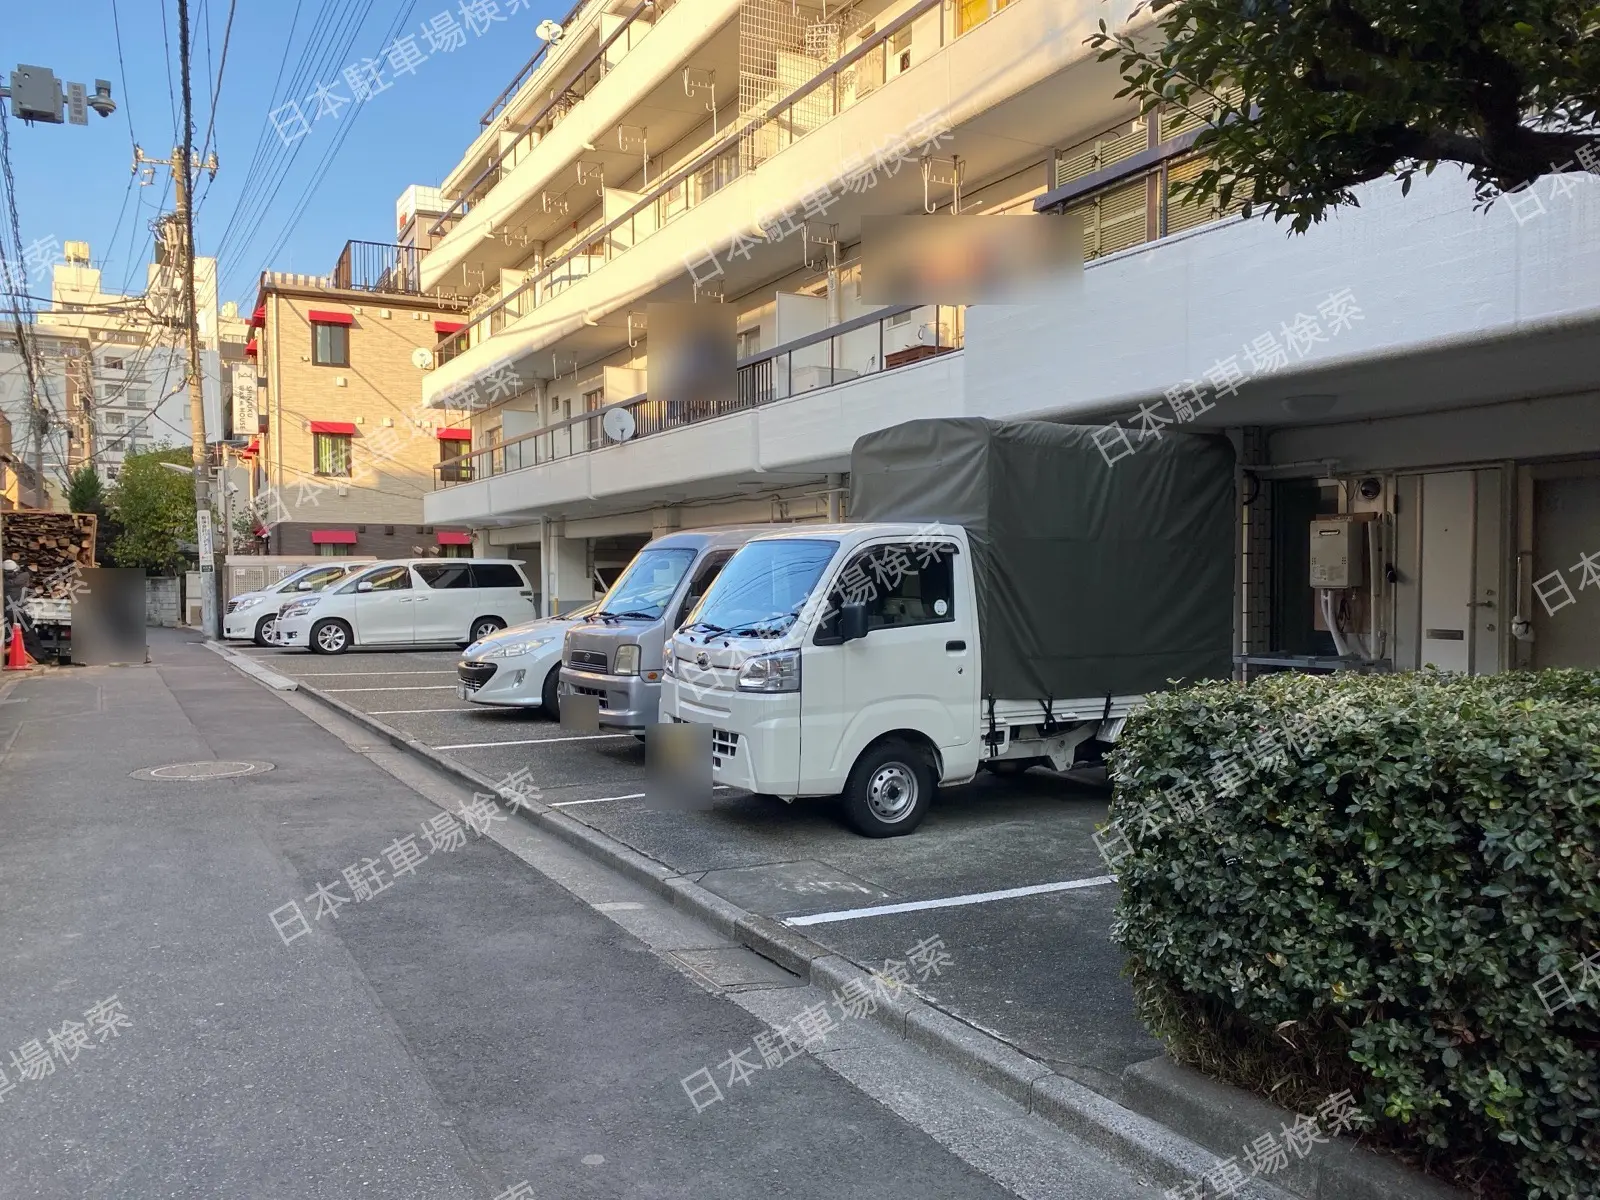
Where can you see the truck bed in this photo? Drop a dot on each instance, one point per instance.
(1084, 708)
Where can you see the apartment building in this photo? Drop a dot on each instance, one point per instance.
(1410, 367)
(342, 453)
(52, 435)
(20, 485)
(130, 391)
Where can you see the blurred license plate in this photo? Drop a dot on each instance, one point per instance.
(463, 692)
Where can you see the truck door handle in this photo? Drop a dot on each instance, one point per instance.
(955, 645)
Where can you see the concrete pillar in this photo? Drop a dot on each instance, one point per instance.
(564, 565)
(835, 498)
(663, 521)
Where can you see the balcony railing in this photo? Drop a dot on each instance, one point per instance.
(378, 267)
(832, 90)
(503, 100)
(563, 98)
(866, 345)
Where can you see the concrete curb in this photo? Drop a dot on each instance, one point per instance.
(278, 683)
(1169, 1157)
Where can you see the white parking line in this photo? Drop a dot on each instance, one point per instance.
(879, 910)
(424, 687)
(400, 712)
(582, 737)
(716, 787)
(382, 671)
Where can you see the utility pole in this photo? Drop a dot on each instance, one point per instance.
(186, 164)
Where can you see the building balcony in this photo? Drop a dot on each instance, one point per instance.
(754, 181)
(827, 386)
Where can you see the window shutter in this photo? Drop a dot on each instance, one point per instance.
(1178, 121)
(1113, 220)
(1182, 211)
(1120, 142)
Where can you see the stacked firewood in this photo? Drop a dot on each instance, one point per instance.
(48, 544)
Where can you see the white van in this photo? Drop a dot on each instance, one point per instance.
(251, 616)
(414, 601)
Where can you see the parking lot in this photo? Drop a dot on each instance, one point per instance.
(1035, 968)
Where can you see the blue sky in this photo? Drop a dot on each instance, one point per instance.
(73, 181)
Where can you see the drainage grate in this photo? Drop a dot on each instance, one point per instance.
(201, 772)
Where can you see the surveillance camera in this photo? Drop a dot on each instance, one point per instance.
(1370, 488)
(101, 101)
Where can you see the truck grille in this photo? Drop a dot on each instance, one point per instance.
(475, 674)
(580, 690)
(723, 745)
(587, 658)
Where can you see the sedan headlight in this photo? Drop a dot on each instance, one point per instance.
(778, 672)
(514, 649)
(627, 660)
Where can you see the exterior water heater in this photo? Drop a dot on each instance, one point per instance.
(1338, 553)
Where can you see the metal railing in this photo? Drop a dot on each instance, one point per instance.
(503, 100)
(562, 101)
(823, 97)
(866, 345)
(378, 267)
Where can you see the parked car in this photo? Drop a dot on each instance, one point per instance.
(519, 667)
(410, 602)
(250, 616)
(615, 655)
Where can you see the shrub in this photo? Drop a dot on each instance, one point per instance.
(1380, 883)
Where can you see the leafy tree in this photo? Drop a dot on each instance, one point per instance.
(155, 508)
(85, 492)
(1339, 92)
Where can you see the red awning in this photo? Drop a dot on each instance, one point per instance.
(323, 317)
(453, 435)
(253, 449)
(258, 319)
(333, 537)
(454, 539)
(448, 326)
(251, 349)
(344, 427)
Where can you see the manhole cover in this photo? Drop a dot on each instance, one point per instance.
(200, 772)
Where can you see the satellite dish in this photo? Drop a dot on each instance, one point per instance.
(422, 358)
(618, 424)
(548, 31)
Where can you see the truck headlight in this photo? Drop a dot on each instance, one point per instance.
(667, 657)
(627, 660)
(778, 672)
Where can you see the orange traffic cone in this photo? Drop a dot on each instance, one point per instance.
(16, 656)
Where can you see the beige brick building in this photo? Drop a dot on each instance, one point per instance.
(345, 451)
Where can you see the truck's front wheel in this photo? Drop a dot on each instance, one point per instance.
(889, 790)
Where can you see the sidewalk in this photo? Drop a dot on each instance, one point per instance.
(474, 1026)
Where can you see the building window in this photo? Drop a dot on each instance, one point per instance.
(114, 418)
(747, 342)
(330, 345)
(333, 453)
(113, 364)
(137, 398)
(330, 550)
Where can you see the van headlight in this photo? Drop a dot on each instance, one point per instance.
(245, 602)
(778, 672)
(627, 660)
(667, 657)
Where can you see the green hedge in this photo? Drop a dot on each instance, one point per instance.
(1370, 882)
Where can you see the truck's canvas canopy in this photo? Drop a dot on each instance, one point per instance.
(1093, 578)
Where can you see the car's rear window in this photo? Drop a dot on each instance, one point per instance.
(496, 575)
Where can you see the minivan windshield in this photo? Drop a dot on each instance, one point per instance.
(763, 588)
(317, 577)
(646, 587)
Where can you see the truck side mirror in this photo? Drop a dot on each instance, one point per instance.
(363, 586)
(852, 622)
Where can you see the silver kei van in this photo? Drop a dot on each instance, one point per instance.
(615, 656)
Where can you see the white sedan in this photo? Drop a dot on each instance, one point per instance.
(519, 667)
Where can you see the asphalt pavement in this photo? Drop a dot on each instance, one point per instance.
(482, 1019)
(1038, 968)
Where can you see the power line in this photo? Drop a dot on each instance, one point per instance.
(216, 88)
(40, 417)
(122, 67)
(167, 42)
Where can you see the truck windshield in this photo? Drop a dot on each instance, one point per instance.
(646, 587)
(763, 588)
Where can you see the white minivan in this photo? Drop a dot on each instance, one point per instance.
(414, 601)
(251, 616)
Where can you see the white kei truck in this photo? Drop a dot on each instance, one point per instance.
(1003, 595)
